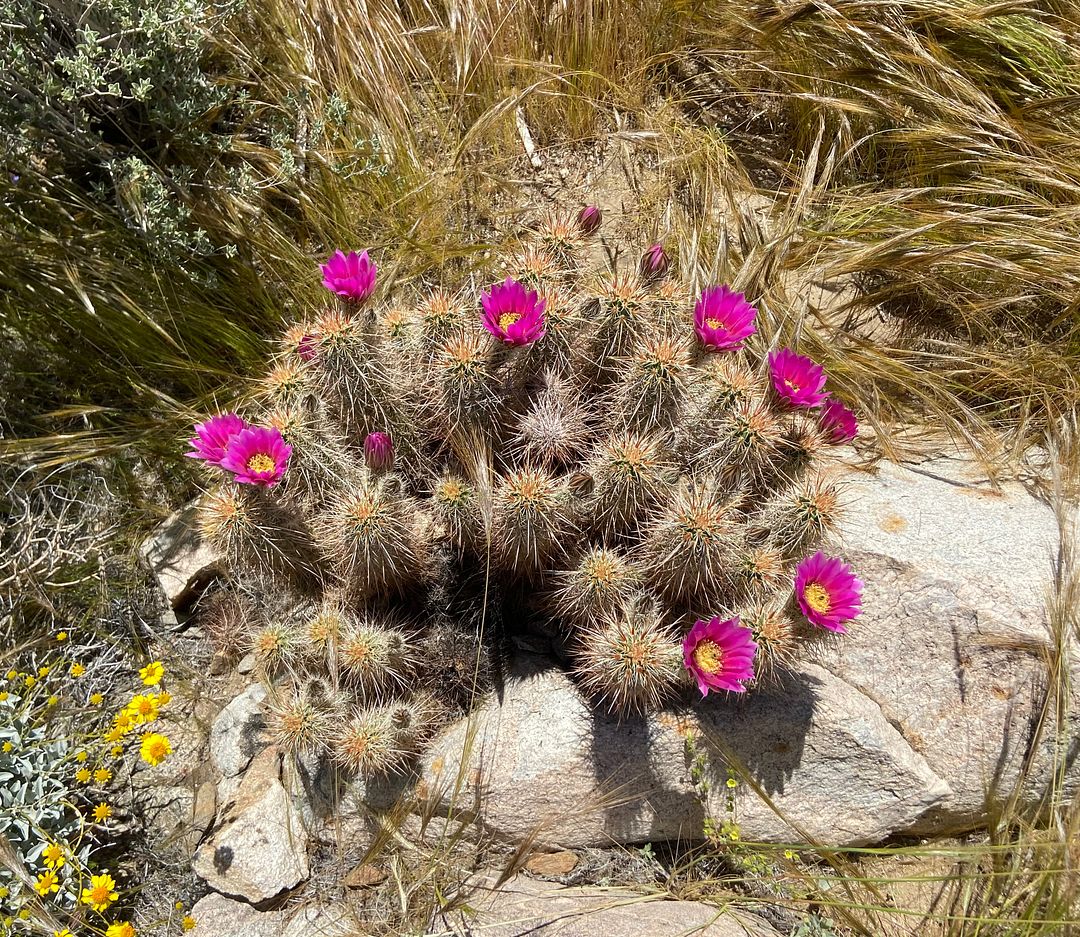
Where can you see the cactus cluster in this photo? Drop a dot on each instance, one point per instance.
(600, 456)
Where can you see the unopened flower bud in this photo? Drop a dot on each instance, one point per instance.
(654, 262)
(378, 451)
(589, 219)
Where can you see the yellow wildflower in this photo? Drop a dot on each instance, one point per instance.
(81, 756)
(3, 696)
(124, 720)
(120, 929)
(4, 892)
(152, 673)
(62, 636)
(101, 893)
(83, 775)
(102, 812)
(143, 708)
(116, 751)
(154, 748)
(8, 747)
(96, 699)
(43, 671)
(47, 883)
(164, 698)
(30, 681)
(731, 782)
(115, 734)
(63, 933)
(188, 923)
(52, 700)
(179, 906)
(53, 855)
(102, 776)
(24, 914)
(77, 670)
(12, 674)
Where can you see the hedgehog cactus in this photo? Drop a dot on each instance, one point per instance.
(601, 457)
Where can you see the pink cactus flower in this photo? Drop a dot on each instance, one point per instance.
(838, 422)
(306, 347)
(378, 451)
(796, 379)
(351, 276)
(212, 438)
(827, 591)
(589, 219)
(513, 315)
(723, 319)
(654, 262)
(720, 655)
(257, 455)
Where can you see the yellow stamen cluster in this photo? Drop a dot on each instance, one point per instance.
(260, 462)
(507, 319)
(708, 656)
(817, 597)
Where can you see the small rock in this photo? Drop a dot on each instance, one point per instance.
(226, 791)
(166, 809)
(552, 863)
(217, 916)
(205, 807)
(526, 906)
(247, 664)
(219, 664)
(261, 848)
(237, 733)
(181, 561)
(365, 876)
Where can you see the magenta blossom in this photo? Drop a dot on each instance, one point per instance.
(720, 655)
(513, 315)
(589, 219)
(838, 422)
(351, 276)
(212, 438)
(378, 451)
(827, 591)
(723, 319)
(796, 379)
(257, 455)
(305, 348)
(654, 262)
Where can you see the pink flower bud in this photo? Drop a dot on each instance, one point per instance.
(654, 262)
(589, 219)
(305, 348)
(378, 451)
